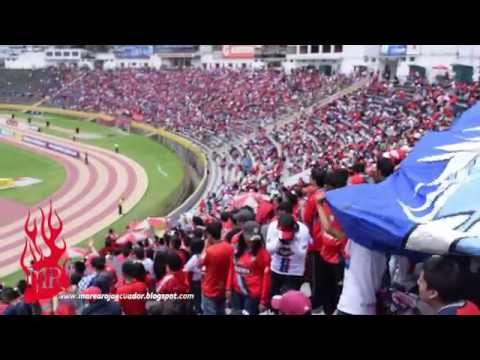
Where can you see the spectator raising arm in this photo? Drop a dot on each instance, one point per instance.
(325, 221)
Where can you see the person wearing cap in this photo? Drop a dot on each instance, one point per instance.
(241, 217)
(292, 303)
(248, 283)
(287, 242)
(282, 207)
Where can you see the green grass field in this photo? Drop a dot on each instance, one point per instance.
(16, 162)
(156, 159)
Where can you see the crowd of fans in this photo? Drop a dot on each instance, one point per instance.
(288, 254)
(381, 119)
(196, 102)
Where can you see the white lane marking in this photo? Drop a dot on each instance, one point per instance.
(160, 170)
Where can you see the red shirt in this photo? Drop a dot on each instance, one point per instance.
(265, 212)
(107, 249)
(356, 179)
(150, 281)
(227, 226)
(183, 255)
(469, 309)
(453, 100)
(133, 306)
(332, 250)
(310, 189)
(311, 220)
(250, 275)
(216, 262)
(296, 211)
(447, 111)
(3, 307)
(236, 238)
(175, 282)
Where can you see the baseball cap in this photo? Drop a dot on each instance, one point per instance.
(244, 215)
(287, 226)
(251, 229)
(292, 303)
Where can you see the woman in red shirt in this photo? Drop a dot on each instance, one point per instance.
(248, 281)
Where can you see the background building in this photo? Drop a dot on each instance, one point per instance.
(461, 61)
(430, 61)
(39, 58)
(230, 56)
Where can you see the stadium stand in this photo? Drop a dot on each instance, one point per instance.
(258, 128)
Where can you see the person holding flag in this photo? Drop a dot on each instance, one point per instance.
(431, 209)
(332, 248)
(364, 267)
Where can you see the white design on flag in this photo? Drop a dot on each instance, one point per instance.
(436, 234)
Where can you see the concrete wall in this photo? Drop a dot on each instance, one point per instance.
(196, 165)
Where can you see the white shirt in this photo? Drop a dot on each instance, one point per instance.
(364, 272)
(399, 267)
(288, 259)
(192, 266)
(148, 265)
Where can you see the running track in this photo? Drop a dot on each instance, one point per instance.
(87, 202)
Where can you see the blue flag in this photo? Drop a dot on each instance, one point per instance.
(431, 205)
